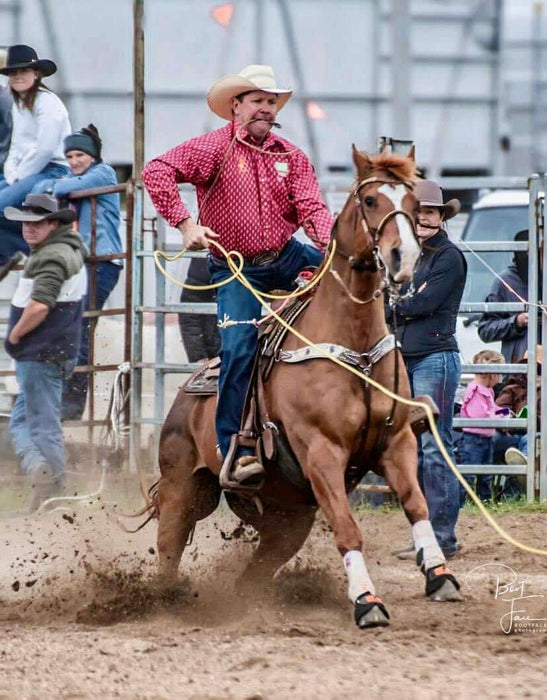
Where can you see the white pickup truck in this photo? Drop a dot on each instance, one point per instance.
(497, 216)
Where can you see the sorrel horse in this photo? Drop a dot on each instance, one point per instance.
(332, 425)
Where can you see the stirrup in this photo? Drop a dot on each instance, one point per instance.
(226, 477)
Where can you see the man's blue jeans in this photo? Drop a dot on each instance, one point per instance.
(35, 422)
(75, 389)
(437, 375)
(239, 343)
(476, 449)
(11, 237)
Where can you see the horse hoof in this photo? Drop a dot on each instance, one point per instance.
(370, 612)
(447, 593)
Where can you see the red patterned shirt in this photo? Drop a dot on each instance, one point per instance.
(258, 201)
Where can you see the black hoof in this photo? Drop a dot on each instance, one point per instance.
(370, 612)
(441, 585)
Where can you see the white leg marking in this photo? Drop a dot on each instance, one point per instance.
(358, 578)
(424, 538)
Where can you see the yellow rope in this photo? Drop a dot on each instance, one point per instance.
(236, 273)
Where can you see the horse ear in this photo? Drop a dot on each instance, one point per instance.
(412, 153)
(361, 160)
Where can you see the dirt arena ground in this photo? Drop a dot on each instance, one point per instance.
(80, 617)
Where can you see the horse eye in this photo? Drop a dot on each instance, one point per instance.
(370, 201)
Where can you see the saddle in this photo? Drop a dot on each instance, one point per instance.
(257, 430)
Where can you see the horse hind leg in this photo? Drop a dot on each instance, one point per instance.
(184, 497)
(282, 534)
(399, 463)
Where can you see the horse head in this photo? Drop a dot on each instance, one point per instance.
(382, 215)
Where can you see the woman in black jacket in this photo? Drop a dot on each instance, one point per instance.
(425, 326)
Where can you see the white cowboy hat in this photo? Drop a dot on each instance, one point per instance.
(255, 77)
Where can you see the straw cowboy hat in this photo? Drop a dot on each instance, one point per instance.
(40, 207)
(429, 194)
(22, 56)
(255, 77)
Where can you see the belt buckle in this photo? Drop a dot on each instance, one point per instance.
(265, 258)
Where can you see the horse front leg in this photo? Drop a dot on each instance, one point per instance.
(400, 466)
(326, 464)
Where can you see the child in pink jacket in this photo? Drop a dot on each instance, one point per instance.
(476, 444)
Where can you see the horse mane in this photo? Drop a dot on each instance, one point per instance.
(397, 166)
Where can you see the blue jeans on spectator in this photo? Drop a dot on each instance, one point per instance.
(35, 421)
(511, 487)
(476, 449)
(11, 237)
(437, 375)
(75, 389)
(239, 343)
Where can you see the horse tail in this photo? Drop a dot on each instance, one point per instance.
(151, 509)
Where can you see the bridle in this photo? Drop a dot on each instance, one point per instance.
(378, 264)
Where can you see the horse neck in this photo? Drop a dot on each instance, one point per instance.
(344, 321)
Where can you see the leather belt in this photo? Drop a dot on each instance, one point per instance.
(267, 257)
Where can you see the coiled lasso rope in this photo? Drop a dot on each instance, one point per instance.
(235, 262)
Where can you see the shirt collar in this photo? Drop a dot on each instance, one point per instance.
(270, 142)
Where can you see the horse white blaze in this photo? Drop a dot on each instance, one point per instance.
(359, 581)
(410, 250)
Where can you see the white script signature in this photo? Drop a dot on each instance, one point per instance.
(512, 589)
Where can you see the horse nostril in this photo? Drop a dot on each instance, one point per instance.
(396, 259)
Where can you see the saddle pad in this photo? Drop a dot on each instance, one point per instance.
(204, 380)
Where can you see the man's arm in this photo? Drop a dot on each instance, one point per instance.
(34, 314)
(312, 212)
(195, 162)
(501, 325)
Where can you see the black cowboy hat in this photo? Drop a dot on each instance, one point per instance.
(22, 56)
(40, 207)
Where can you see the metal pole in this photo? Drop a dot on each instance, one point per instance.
(259, 30)
(496, 155)
(136, 331)
(138, 87)
(400, 68)
(537, 112)
(535, 184)
(543, 427)
(376, 34)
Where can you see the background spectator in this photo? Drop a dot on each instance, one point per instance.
(199, 332)
(425, 324)
(509, 327)
(514, 395)
(476, 444)
(43, 338)
(40, 123)
(83, 151)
